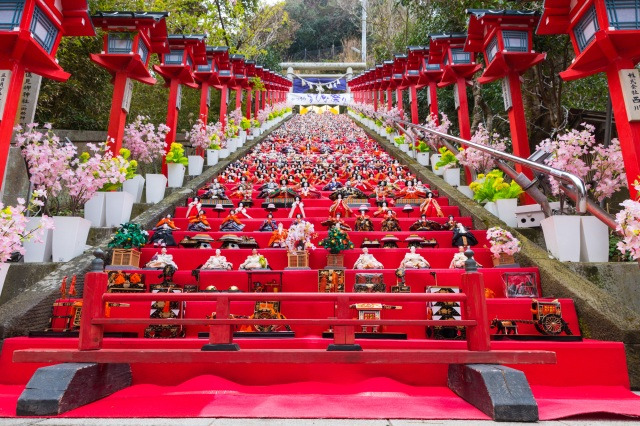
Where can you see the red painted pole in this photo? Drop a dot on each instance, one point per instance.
(223, 106)
(95, 285)
(172, 118)
(628, 132)
(204, 107)
(389, 99)
(518, 126)
(433, 108)
(399, 103)
(463, 118)
(238, 98)
(375, 100)
(257, 106)
(248, 105)
(264, 99)
(415, 119)
(14, 92)
(476, 309)
(117, 116)
(221, 333)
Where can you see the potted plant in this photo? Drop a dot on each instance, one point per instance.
(401, 143)
(134, 183)
(176, 162)
(503, 246)
(147, 144)
(126, 242)
(62, 182)
(118, 203)
(447, 166)
(298, 242)
(198, 136)
(245, 125)
(15, 232)
(422, 153)
(337, 240)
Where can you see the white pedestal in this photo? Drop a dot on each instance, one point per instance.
(507, 211)
(562, 237)
(594, 240)
(491, 208)
(466, 191)
(38, 252)
(118, 206)
(452, 176)
(175, 174)
(212, 157)
(196, 163)
(94, 210)
(156, 185)
(223, 153)
(423, 158)
(134, 186)
(69, 237)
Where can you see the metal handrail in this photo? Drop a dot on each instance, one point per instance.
(568, 178)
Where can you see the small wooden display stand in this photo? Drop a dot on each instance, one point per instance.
(335, 261)
(298, 260)
(125, 259)
(503, 260)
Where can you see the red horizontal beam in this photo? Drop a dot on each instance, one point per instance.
(289, 321)
(316, 297)
(285, 356)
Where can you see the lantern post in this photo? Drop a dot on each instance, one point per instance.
(239, 76)
(397, 77)
(458, 66)
(185, 52)
(259, 74)
(506, 39)
(387, 85)
(225, 80)
(207, 76)
(250, 72)
(30, 33)
(604, 35)
(129, 40)
(413, 68)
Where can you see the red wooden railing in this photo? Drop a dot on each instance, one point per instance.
(472, 299)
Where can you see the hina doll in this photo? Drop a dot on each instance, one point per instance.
(162, 259)
(430, 207)
(333, 185)
(242, 210)
(163, 233)
(410, 191)
(231, 223)
(340, 206)
(268, 225)
(413, 260)
(254, 261)
(423, 224)
(450, 224)
(382, 210)
(363, 221)
(278, 237)
(297, 205)
(307, 192)
(337, 220)
(390, 223)
(218, 262)
(367, 261)
(462, 237)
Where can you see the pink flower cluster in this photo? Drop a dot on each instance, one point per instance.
(300, 234)
(569, 152)
(263, 114)
(13, 229)
(236, 116)
(145, 142)
(502, 242)
(203, 136)
(432, 123)
(392, 116)
(628, 221)
(477, 160)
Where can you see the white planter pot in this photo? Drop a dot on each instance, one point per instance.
(156, 185)
(69, 237)
(255, 132)
(37, 252)
(223, 153)
(232, 144)
(594, 240)
(491, 208)
(404, 147)
(4, 268)
(212, 157)
(196, 163)
(452, 176)
(434, 159)
(242, 134)
(423, 158)
(412, 153)
(94, 210)
(466, 191)
(119, 205)
(562, 237)
(134, 186)
(175, 174)
(507, 211)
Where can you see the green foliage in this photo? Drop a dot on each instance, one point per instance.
(176, 154)
(336, 241)
(492, 187)
(399, 140)
(129, 235)
(447, 157)
(423, 147)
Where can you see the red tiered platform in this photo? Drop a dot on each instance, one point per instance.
(588, 377)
